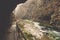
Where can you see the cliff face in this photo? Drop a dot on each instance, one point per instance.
(47, 12)
(47, 15)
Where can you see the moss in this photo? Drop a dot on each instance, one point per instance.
(20, 26)
(53, 36)
(28, 36)
(45, 37)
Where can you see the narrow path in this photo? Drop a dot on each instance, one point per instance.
(12, 33)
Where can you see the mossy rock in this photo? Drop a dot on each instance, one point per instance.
(45, 37)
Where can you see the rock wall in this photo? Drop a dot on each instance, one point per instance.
(44, 11)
